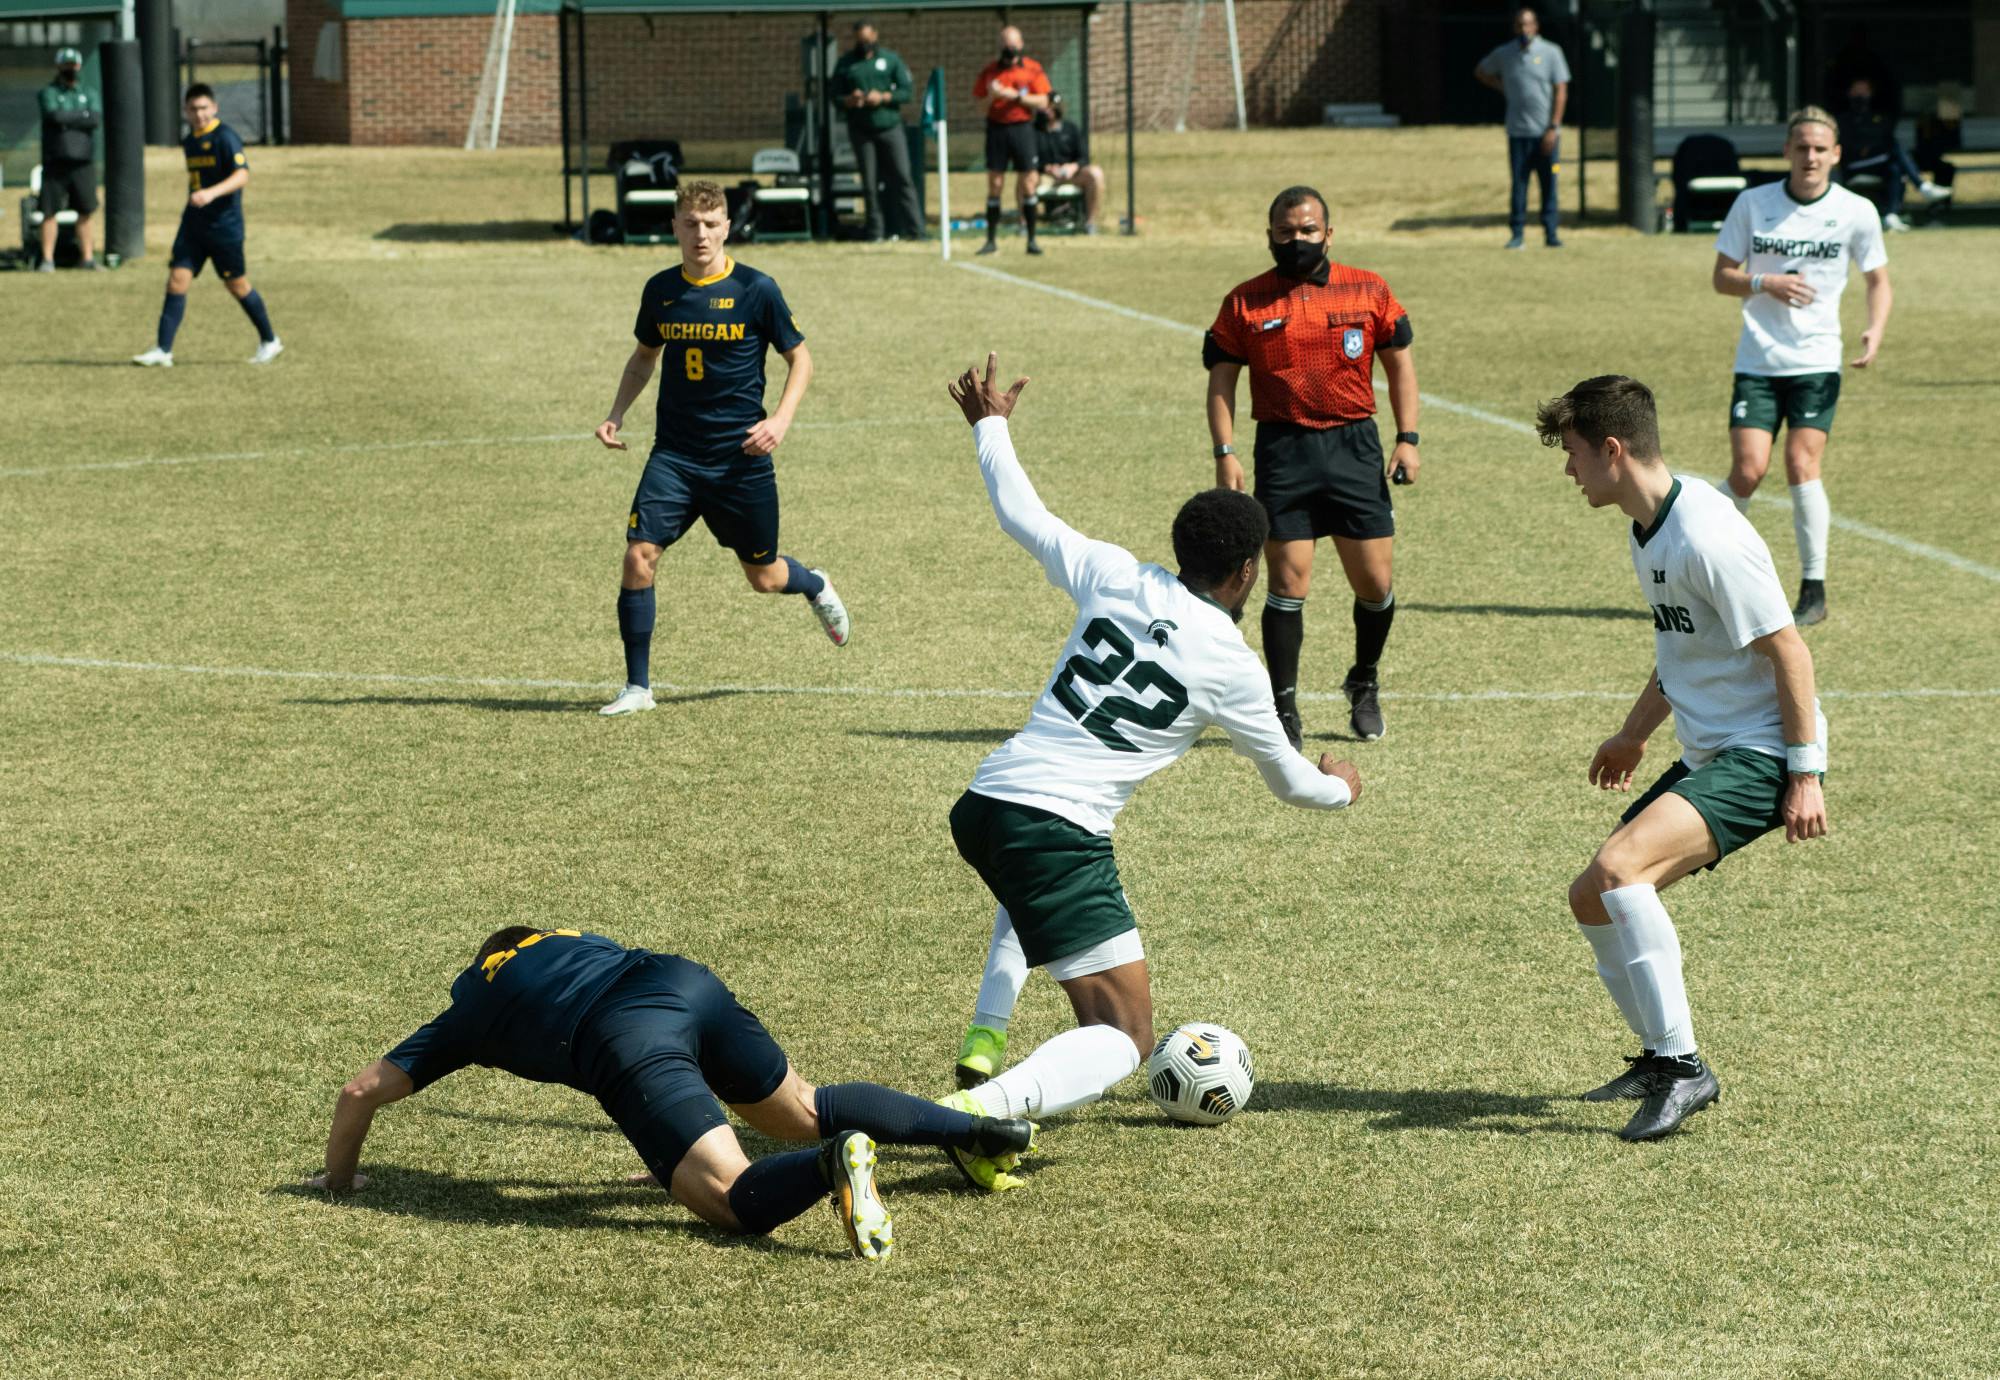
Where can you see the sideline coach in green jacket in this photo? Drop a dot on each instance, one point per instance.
(871, 83)
(69, 119)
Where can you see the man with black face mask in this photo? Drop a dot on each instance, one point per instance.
(871, 83)
(1016, 88)
(1310, 332)
(69, 119)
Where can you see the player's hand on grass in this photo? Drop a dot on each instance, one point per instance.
(1404, 463)
(1805, 810)
(763, 438)
(1617, 758)
(1229, 473)
(1789, 288)
(1346, 771)
(1871, 341)
(980, 398)
(607, 432)
(353, 1185)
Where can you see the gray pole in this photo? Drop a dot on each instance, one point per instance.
(1636, 182)
(161, 99)
(1131, 174)
(124, 149)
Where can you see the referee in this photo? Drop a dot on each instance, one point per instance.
(1309, 332)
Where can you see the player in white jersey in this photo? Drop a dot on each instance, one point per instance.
(1786, 248)
(1154, 658)
(1731, 668)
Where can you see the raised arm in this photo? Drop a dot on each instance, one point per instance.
(1792, 663)
(375, 1086)
(638, 371)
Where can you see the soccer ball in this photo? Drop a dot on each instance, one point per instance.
(1200, 1073)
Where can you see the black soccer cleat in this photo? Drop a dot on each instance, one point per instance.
(994, 1136)
(1681, 1087)
(1811, 607)
(1635, 1082)
(1294, 726)
(990, 247)
(1033, 248)
(1365, 710)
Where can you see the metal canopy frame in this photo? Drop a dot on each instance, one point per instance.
(572, 29)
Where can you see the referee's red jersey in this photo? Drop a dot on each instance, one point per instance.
(1310, 346)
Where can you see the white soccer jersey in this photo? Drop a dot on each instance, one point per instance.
(1148, 666)
(1768, 232)
(1713, 590)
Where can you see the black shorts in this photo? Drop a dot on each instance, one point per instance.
(68, 187)
(193, 248)
(1323, 482)
(1014, 144)
(662, 1044)
(736, 499)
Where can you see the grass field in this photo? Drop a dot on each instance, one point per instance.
(298, 665)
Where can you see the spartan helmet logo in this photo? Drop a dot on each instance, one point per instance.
(1159, 628)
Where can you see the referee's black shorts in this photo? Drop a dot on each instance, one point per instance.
(1014, 144)
(69, 186)
(1323, 481)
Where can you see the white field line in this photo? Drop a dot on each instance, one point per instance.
(874, 692)
(1846, 524)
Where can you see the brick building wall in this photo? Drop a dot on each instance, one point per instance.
(724, 77)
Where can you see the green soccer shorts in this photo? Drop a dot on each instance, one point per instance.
(1739, 793)
(1058, 880)
(1798, 400)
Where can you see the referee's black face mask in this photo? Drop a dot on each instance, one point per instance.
(1298, 258)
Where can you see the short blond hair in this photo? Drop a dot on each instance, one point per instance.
(1811, 115)
(701, 196)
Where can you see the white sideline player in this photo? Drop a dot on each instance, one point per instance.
(1785, 247)
(1153, 660)
(1731, 668)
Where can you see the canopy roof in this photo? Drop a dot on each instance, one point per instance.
(28, 11)
(400, 9)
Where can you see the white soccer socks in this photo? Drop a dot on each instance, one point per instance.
(1609, 947)
(1006, 973)
(1810, 518)
(1071, 1070)
(1652, 954)
(1742, 501)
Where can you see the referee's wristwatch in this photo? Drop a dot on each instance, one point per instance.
(1224, 449)
(1406, 438)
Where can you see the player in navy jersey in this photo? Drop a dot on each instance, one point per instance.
(211, 230)
(713, 319)
(657, 1039)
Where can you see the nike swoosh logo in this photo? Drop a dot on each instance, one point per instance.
(760, 555)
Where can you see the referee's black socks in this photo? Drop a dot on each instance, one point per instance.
(1371, 634)
(992, 219)
(1284, 634)
(1029, 205)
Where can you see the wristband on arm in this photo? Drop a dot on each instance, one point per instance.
(1756, 283)
(1803, 759)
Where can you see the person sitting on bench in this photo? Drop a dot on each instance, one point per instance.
(1066, 159)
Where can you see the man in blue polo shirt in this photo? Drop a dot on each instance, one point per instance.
(211, 230)
(1531, 73)
(658, 1039)
(707, 324)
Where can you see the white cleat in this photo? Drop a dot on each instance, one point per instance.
(1893, 222)
(832, 614)
(268, 351)
(633, 699)
(155, 358)
(1932, 193)
(869, 1231)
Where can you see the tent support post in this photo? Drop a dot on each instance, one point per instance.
(583, 113)
(1131, 226)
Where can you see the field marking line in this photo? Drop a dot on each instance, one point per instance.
(85, 663)
(1846, 524)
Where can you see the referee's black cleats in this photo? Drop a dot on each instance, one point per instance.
(1033, 248)
(990, 247)
(1681, 1087)
(1811, 607)
(1635, 1082)
(1365, 710)
(994, 1136)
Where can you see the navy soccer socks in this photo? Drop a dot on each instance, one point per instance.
(253, 307)
(888, 1116)
(171, 313)
(777, 1188)
(798, 580)
(635, 625)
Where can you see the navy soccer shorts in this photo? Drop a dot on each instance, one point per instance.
(736, 498)
(193, 248)
(663, 1047)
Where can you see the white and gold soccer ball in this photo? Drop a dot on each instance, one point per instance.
(1201, 1073)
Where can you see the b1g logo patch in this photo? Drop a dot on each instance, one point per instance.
(1352, 342)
